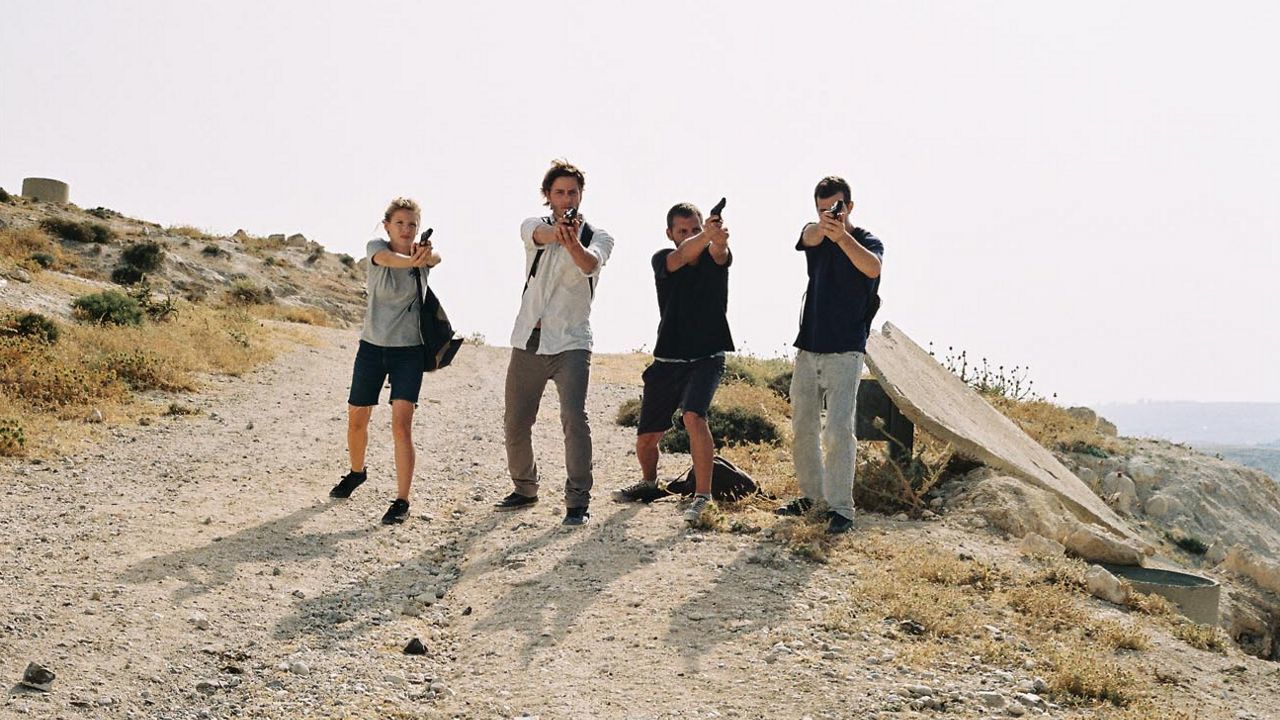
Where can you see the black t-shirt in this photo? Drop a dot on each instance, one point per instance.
(839, 297)
(692, 302)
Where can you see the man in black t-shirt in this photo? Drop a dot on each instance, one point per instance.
(688, 359)
(843, 262)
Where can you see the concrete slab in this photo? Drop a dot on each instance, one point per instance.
(939, 402)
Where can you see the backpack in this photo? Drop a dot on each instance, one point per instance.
(728, 482)
(439, 341)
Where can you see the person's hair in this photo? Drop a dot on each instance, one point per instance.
(561, 168)
(683, 210)
(401, 203)
(831, 185)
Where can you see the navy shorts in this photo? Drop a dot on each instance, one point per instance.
(670, 385)
(374, 364)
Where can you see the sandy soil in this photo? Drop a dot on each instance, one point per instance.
(196, 568)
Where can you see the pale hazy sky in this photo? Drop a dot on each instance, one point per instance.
(1089, 188)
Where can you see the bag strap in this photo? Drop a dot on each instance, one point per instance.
(587, 234)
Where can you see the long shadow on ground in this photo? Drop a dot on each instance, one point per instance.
(216, 563)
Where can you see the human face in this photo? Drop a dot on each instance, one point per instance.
(564, 194)
(402, 228)
(824, 204)
(682, 228)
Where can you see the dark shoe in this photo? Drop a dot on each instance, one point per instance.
(639, 492)
(576, 516)
(349, 482)
(398, 511)
(515, 501)
(839, 524)
(795, 508)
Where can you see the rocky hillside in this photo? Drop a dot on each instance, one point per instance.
(289, 270)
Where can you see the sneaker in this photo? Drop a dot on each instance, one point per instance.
(576, 516)
(515, 501)
(398, 511)
(693, 513)
(641, 491)
(795, 508)
(349, 482)
(839, 524)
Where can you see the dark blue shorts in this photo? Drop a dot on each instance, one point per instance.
(670, 385)
(374, 364)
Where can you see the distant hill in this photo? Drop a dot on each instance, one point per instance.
(1198, 423)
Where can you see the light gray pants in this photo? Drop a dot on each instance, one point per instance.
(833, 378)
(527, 377)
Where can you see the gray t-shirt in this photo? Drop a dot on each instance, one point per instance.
(391, 317)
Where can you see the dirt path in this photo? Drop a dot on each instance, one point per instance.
(195, 568)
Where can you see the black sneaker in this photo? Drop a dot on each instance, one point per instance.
(839, 524)
(795, 508)
(576, 516)
(349, 482)
(398, 511)
(639, 492)
(515, 501)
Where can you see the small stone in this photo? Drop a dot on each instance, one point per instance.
(919, 690)
(38, 677)
(297, 667)
(299, 594)
(199, 621)
(415, 647)
(1016, 710)
(993, 700)
(95, 416)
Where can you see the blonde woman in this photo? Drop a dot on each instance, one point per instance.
(390, 346)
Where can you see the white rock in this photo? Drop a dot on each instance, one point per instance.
(1037, 545)
(1160, 506)
(993, 700)
(199, 621)
(1103, 584)
(297, 667)
(1095, 545)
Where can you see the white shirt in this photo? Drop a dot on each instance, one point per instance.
(560, 295)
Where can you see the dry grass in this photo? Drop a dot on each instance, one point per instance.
(188, 231)
(1055, 428)
(303, 315)
(1079, 672)
(95, 366)
(1202, 637)
(19, 244)
(1121, 635)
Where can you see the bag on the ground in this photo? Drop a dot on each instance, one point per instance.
(440, 342)
(728, 482)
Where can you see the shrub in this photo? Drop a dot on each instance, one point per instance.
(629, 413)
(5, 196)
(212, 250)
(127, 275)
(315, 256)
(73, 231)
(13, 442)
(31, 371)
(1193, 545)
(347, 260)
(104, 213)
(43, 259)
(145, 256)
(142, 370)
(108, 307)
(35, 325)
(246, 292)
(781, 385)
(755, 371)
(729, 426)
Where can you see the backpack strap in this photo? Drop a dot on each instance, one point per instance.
(587, 234)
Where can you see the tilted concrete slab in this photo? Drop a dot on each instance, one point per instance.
(938, 401)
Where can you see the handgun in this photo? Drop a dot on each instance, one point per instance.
(835, 210)
(570, 214)
(719, 208)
